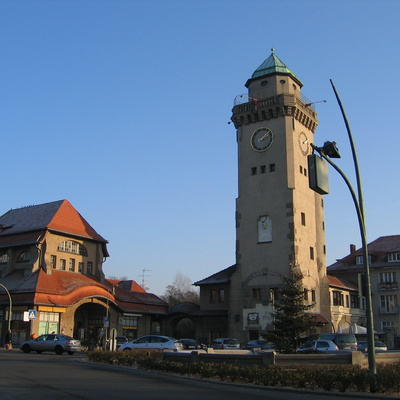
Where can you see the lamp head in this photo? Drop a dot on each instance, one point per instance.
(331, 150)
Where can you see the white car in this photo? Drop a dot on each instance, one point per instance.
(317, 346)
(153, 342)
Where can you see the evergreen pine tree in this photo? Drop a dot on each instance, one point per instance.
(291, 317)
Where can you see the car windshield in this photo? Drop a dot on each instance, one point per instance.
(231, 341)
(346, 339)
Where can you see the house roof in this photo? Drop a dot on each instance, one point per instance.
(378, 248)
(64, 289)
(129, 285)
(342, 283)
(59, 216)
(223, 276)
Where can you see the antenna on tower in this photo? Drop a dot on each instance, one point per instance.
(143, 275)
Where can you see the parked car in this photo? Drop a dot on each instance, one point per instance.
(345, 341)
(225, 344)
(191, 344)
(259, 344)
(52, 342)
(317, 346)
(363, 346)
(153, 342)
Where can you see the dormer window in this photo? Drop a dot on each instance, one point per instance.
(393, 257)
(360, 260)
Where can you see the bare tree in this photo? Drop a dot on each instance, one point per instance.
(181, 291)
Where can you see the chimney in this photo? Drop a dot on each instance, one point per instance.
(352, 248)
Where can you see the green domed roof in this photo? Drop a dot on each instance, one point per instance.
(273, 65)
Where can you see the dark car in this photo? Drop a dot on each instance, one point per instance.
(52, 342)
(379, 346)
(190, 344)
(345, 341)
(259, 344)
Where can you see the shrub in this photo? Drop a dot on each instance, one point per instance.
(340, 377)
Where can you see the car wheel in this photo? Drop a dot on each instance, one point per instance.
(70, 352)
(38, 351)
(26, 348)
(127, 349)
(59, 350)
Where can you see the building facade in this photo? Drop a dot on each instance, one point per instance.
(384, 267)
(51, 264)
(347, 307)
(279, 219)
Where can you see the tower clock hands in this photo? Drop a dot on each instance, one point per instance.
(265, 136)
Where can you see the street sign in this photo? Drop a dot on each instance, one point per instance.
(32, 314)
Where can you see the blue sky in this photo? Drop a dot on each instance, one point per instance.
(122, 107)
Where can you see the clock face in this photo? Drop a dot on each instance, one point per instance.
(262, 139)
(303, 142)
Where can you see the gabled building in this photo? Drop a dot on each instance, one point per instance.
(346, 310)
(51, 263)
(384, 267)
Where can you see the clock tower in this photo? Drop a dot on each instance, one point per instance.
(279, 219)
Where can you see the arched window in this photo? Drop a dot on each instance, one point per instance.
(70, 246)
(24, 256)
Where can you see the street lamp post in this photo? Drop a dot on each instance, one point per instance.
(10, 312)
(328, 151)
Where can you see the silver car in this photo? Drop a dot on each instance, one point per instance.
(225, 344)
(52, 342)
(153, 342)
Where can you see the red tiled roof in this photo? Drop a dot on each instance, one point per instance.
(59, 216)
(129, 285)
(342, 283)
(68, 220)
(64, 288)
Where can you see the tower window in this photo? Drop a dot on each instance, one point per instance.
(312, 253)
(263, 169)
(253, 170)
(256, 294)
(303, 219)
(264, 83)
(213, 295)
(271, 167)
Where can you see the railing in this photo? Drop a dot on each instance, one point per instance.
(268, 101)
